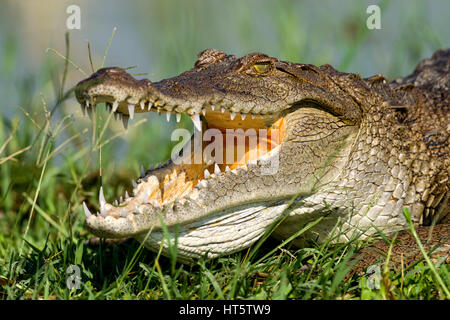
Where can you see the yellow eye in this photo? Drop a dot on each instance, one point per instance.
(263, 67)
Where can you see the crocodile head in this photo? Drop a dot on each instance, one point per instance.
(266, 132)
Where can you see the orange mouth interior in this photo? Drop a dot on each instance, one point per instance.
(255, 138)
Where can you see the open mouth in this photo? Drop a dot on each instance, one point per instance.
(224, 142)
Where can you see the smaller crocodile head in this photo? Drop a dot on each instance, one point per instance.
(296, 123)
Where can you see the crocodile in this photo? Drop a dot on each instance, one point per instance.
(330, 153)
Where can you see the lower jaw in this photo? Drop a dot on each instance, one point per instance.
(220, 234)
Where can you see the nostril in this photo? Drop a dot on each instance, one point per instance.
(114, 70)
(110, 70)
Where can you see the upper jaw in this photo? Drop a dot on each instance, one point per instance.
(126, 96)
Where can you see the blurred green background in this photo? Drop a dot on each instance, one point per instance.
(163, 38)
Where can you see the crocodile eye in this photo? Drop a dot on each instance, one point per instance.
(262, 67)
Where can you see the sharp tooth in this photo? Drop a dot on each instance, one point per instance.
(206, 173)
(121, 199)
(115, 106)
(145, 197)
(227, 168)
(133, 183)
(142, 103)
(178, 115)
(232, 115)
(131, 110)
(116, 203)
(89, 112)
(253, 116)
(126, 195)
(168, 116)
(87, 213)
(212, 107)
(125, 120)
(123, 214)
(155, 203)
(101, 198)
(216, 169)
(222, 109)
(149, 105)
(202, 184)
(83, 109)
(142, 171)
(197, 123)
(87, 103)
(243, 115)
(204, 112)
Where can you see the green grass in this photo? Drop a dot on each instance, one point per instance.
(125, 271)
(52, 159)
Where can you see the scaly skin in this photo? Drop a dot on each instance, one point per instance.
(353, 151)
